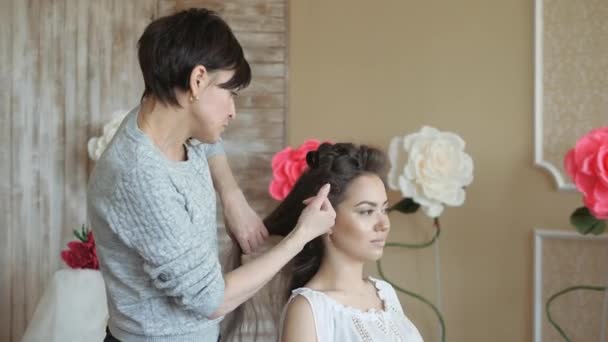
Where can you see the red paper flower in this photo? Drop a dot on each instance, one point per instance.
(287, 166)
(587, 164)
(81, 253)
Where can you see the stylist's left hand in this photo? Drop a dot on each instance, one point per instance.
(243, 223)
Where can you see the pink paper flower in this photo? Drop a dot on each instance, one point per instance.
(587, 165)
(287, 166)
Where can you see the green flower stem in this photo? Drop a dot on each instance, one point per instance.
(563, 292)
(410, 293)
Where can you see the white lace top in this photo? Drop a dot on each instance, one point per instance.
(337, 322)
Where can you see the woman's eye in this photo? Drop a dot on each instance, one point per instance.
(367, 212)
(234, 94)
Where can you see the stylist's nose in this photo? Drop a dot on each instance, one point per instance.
(232, 110)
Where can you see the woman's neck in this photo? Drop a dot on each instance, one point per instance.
(339, 272)
(166, 126)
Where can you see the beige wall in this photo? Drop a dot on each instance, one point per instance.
(366, 71)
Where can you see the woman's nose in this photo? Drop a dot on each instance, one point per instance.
(383, 223)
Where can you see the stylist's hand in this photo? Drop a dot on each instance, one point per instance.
(243, 223)
(317, 218)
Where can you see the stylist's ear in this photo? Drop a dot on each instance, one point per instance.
(198, 78)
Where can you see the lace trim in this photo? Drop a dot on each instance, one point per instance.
(369, 313)
(361, 330)
(395, 330)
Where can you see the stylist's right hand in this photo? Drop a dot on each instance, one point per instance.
(318, 217)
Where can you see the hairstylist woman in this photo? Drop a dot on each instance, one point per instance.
(151, 197)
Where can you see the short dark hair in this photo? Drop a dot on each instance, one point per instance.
(172, 46)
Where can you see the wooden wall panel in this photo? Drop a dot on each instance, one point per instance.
(6, 81)
(24, 154)
(66, 65)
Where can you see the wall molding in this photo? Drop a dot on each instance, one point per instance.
(540, 236)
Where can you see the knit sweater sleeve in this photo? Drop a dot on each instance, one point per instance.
(149, 215)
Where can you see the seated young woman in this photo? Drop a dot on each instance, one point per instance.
(331, 299)
(328, 298)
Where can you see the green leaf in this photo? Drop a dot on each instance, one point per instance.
(406, 206)
(586, 223)
(82, 234)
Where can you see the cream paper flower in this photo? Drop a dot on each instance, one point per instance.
(97, 145)
(431, 168)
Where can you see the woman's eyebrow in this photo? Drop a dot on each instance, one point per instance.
(373, 204)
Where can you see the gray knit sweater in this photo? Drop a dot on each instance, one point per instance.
(154, 222)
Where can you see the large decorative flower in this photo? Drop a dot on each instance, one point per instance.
(81, 253)
(431, 168)
(587, 165)
(97, 145)
(287, 166)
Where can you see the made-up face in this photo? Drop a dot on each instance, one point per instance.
(362, 223)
